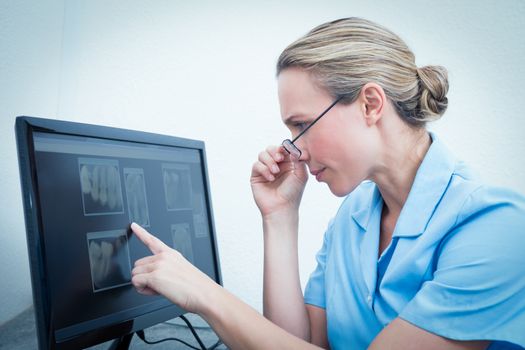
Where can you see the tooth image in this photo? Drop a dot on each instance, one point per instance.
(85, 179)
(175, 179)
(141, 201)
(95, 256)
(134, 205)
(103, 185)
(135, 189)
(182, 240)
(174, 188)
(101, 260)
(137, 212)
(112, 187)
(107, 252)
(167, 186)
(95, 184)
(132, 198)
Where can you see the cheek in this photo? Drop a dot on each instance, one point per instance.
(356, 161)
(323, 147)
(344, 179)
(323, 153)
(348, 160)
(338, 149)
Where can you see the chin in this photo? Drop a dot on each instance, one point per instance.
(340, 190)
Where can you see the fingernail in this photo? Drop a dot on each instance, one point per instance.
(279, 156)
(275, 169)
(271, 177)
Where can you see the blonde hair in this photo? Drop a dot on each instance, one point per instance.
(345, 54)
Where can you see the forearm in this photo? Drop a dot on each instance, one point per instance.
(241, 327)
(282, 296)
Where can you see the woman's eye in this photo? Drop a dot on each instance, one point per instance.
(300, 125)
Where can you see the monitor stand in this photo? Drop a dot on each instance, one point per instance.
(121, 343)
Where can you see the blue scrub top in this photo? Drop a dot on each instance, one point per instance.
(455, 266)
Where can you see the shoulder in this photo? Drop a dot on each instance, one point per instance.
(488, 227)
(493, 203)
(478, 275)
(467, 199)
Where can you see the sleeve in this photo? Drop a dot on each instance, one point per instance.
(478, 287)
(314, 293)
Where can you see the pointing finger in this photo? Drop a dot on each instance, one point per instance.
(153, 243)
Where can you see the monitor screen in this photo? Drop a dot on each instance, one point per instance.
(82, 186)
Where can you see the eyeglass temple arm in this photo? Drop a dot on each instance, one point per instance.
(319, 117)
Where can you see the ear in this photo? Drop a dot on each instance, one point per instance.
(373, 100)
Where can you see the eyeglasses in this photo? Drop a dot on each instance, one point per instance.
(289, 145)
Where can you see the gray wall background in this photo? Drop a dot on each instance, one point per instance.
(205, 70)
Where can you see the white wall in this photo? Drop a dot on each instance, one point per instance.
(30, 39)
(206, 71)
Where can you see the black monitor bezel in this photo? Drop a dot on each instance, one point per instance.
(24, 128)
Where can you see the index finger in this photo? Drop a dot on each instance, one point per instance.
(277, 152)
(153, 243)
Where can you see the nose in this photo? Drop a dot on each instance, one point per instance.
(305, 154)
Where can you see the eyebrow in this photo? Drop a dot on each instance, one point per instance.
(293, 118)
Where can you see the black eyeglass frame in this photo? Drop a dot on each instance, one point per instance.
(290, 143)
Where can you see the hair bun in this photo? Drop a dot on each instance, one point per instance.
(434, 87)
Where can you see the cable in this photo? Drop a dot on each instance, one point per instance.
(142, 336)
(219, 342)
(181, 325)
(182, 317)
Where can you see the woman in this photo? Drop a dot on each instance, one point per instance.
(420, 254)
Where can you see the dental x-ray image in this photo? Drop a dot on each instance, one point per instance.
(177, 186)
(101, 188)
(136, 195)
(181, 236)
(199, 218)
(109, 259)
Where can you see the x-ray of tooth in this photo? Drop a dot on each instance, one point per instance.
(177, 186)
(200, 224)
(136, 195)
(199, 219)
(181, 236)
(109, 259)
(101, 188)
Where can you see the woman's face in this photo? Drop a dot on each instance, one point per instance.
(339, 148)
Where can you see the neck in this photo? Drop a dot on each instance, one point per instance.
(401, 156)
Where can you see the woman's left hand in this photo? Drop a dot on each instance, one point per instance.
(168, 273)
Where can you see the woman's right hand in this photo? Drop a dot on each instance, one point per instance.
(168, 273)
(277, 181)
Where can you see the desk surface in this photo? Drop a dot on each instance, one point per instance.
(20, 334)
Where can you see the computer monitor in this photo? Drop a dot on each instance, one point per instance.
(82, 186)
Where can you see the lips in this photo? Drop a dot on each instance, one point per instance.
(317, 173)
